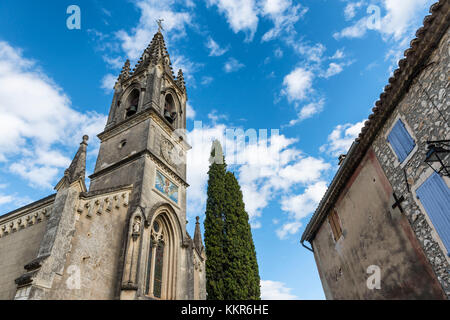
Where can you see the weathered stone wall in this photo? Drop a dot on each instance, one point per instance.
(95, 249)
(425, 110)
(20, 238)
(199, 276)
(122, 145)
(372, 235)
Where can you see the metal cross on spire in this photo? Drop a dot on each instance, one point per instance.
(160, 27)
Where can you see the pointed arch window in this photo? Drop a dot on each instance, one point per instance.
(158, 275)
(170, 112)
(161, 266)
(132, 103)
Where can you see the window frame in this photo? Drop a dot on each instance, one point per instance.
(434, 234)
(408, 129)
(335, 224)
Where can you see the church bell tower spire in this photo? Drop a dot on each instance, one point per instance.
(151, 84)
(144, 146)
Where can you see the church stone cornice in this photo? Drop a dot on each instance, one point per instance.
(27, 216)
(138, 155)
(150, 113)
(28, 208)
(105, 192)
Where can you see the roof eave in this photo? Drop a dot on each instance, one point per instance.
(428, 36)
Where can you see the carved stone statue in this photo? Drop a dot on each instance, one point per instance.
(137, 225)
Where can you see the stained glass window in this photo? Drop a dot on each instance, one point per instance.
(159, 260)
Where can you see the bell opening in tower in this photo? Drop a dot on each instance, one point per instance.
(133, 102)
(170, 113)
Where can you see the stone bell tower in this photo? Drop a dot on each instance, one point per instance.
(144, 146)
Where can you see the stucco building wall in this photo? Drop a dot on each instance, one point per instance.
(372, 235)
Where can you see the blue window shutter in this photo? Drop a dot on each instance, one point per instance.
(435, 198)
(401, 141)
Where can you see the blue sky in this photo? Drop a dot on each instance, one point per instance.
(311, 69)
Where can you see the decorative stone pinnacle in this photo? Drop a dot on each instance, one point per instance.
(126, 71)
(85, 139)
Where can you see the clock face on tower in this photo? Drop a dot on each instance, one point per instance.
(168, 152)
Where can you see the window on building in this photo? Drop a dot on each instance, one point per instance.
(170, 112)
(161, 273)
(401, 141)
(133, 102)
(335, 224)
(435, 198)
(159, 262)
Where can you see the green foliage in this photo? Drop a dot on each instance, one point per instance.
(214, 226)
(231, 266)
(241, 279)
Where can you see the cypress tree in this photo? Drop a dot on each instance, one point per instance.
(241, 274)
(231, 266)
(214, 225)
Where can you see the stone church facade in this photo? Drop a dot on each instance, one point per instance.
(386, 209)
(125, 237)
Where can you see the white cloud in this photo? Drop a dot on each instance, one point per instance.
(206, 80)
(313, 53)
(401, 18)
(341, 138)
(190, 112)
(37, 121)
(272, 167)
(275, 290)
(38, 175)
(181, 62)
(401, 15)
(287, 229)
(114, 63)
(338, 55)
(200, 138)
(351, 8)
(108, 82)
(298, 84)
(214, 116)
(308, 111)
(284, 14)
(4, 199)
(358, 30)
(299, 207)
(333, 69)
(266, 168)
(214, 49)
(242, 15)
(232, 65)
